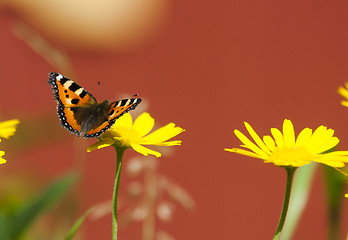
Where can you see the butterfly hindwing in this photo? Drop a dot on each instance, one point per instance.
(80, 113)
(67, 119)
(114, 111)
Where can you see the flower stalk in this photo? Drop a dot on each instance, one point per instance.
(289, 179)
(119, 154)
(136, 135)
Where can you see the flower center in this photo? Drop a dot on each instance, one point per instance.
(127, 135)
(291, 156)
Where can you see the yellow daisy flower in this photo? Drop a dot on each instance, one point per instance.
(344, 93)
(125, 133)
(7, 129)
(285, 150)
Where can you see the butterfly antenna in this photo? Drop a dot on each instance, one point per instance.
(101, 89)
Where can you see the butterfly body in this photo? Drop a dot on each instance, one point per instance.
(79, 111)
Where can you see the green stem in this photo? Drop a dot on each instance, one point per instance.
(289, 177)
(119, 152)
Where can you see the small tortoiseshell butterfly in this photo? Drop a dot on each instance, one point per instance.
(79, 111)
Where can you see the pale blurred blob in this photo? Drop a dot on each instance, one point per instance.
(104, 25)
(165, 211)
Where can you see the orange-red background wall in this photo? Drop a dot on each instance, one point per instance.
(213, 65)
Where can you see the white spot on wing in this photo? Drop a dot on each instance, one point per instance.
(79, 91)
(67, 84)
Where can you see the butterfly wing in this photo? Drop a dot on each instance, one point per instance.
(117, 109)
(78, 110)
(69, 96)
(113, 111)
(68, 93)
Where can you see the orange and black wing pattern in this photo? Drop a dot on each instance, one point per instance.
(117, 109)
(80, 113)
(68, 96)
(102, 122)
(68, 93)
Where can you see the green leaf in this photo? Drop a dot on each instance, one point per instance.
(298, 200)
(77, 224)
(28, 212)
(335, 184)
(4, 229)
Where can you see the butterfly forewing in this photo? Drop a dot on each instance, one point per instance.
(68, 93)
(117, 109)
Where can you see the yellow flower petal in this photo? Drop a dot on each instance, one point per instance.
(144, 150)
(318, 133)
(303, 138)
(124, 121)
(249, 144)
(330, 162)
(144, 124)
(162, 134)
(278, 137)
(270, 143)
(319, 136)
(101, 144)
(169, 143)
(256, 138)
(8, 128)
(330, 143)
(288, 133)
(2, 161)
(344, 93)
(333, 160)
(336, 153)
